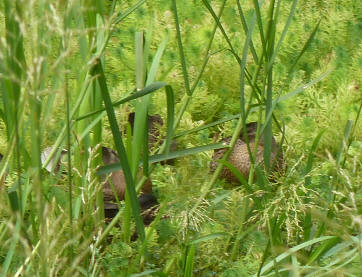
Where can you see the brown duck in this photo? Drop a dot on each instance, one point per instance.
(155, 122)
(147, 201)
(239, 157)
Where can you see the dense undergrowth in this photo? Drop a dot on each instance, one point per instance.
(62, 61)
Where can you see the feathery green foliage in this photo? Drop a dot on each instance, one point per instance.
(72, 71)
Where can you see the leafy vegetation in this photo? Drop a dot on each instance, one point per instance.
(72, 71)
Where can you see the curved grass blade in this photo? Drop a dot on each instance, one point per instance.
(291, 251)
(304, 87)
(153, 272)
(321, 249)
(156, 61)
(238, 174)
(147, 90)
(209, 237)
(197, 129)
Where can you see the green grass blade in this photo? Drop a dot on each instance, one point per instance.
(122, 16)
(11, 252)
(268, 130)
(206, 126)
(216, 18)
(120, 150)
(145, 91)
(260, 23)
(325, 246)
(246, 30)
(209, 237)
(304, 87)
(238, 174)
(156, 61)
(147, 45)
(310, 159)
(163, 157)
(344, 142)
(181, 50)
(207, 55)
(170, 117)
(307, 222)
(293, 250)
(189, 261)
(285, 30)
(306, 45)
(140, 70)
(185, 152)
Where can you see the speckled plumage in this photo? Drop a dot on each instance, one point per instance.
(239, 157)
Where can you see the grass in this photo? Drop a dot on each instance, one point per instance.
(71, 72)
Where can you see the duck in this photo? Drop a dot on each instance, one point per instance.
(239, 157)
(147, 201)
(155, 122)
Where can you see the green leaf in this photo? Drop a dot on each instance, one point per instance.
(189, 261)
(163, 157)
(170, 117)
(291, 251)
(122, 16)
(147, 90)
(209, 237)
(120, 150)
(325, 246)
(180, 48)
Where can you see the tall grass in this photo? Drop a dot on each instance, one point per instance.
(53, 64)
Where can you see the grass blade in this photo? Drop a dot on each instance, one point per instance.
(156, 61)
(285, 30)
(189, 261)
(293, 250)
(122, 16)
(209, 237)
(145, 91)
(170, 117)
(181, 50)
(245, 27)
(216, 18)
(11, 252)
(163, 157)
(120, 150)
